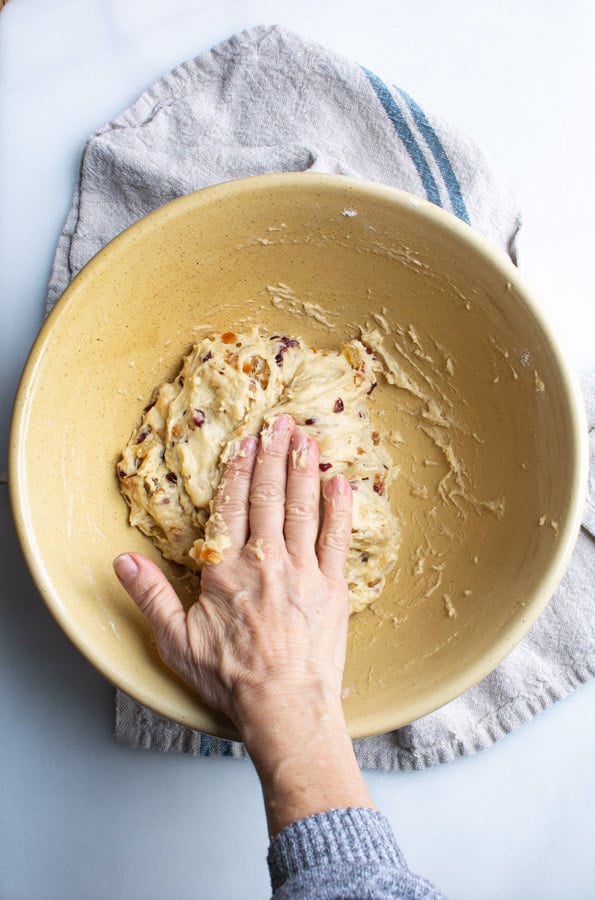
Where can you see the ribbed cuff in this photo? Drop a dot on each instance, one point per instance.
(337, 836)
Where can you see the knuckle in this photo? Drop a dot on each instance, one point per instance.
(260, 550)
(267, 493)
(150, 596)
(231, 506)
(301, 511)
(334, 539)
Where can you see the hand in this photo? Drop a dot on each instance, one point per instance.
(265, 642)
(270, 623)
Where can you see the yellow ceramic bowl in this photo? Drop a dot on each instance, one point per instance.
(485, 424)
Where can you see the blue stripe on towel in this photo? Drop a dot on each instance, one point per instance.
(403, 130)
(206, 745)
(210, 746)
(439, 153)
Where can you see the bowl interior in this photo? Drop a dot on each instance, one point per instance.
(485, 425)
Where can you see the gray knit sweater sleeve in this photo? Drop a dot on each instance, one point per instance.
(343, 854)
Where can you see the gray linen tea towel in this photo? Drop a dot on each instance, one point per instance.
(269, 101)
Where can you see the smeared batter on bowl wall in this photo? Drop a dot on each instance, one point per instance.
(231, 385)
(436, 442)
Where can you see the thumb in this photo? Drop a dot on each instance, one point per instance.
(155, 597)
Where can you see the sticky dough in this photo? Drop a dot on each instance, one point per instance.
(231, 385)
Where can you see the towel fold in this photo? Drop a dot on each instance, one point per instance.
(269, 101)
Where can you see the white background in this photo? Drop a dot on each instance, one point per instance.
(81, 817)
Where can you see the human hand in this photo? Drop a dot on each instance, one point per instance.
(265, 642)
(270, 624)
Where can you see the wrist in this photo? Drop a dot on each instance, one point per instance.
(271, 719)
(304, 757)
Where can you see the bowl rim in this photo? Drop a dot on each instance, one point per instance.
(228, 190)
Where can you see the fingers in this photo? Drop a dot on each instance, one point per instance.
(335, 533)
(155, 597)
(269, 478)
(302, 505)
(231, 501)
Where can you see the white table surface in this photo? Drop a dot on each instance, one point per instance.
(80, 816)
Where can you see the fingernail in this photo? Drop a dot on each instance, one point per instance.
(125, 568)
(332, 486)
(273, 429)
(300, 440)
(281, 424)
(335, 488)
(300, 448)
(248, 445)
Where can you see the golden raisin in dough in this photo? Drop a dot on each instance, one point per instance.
(228, 387)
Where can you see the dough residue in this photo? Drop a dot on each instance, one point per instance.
(231, 385)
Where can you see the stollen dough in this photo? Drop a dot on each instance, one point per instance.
(231, 385)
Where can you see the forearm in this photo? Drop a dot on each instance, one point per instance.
(304, 759)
